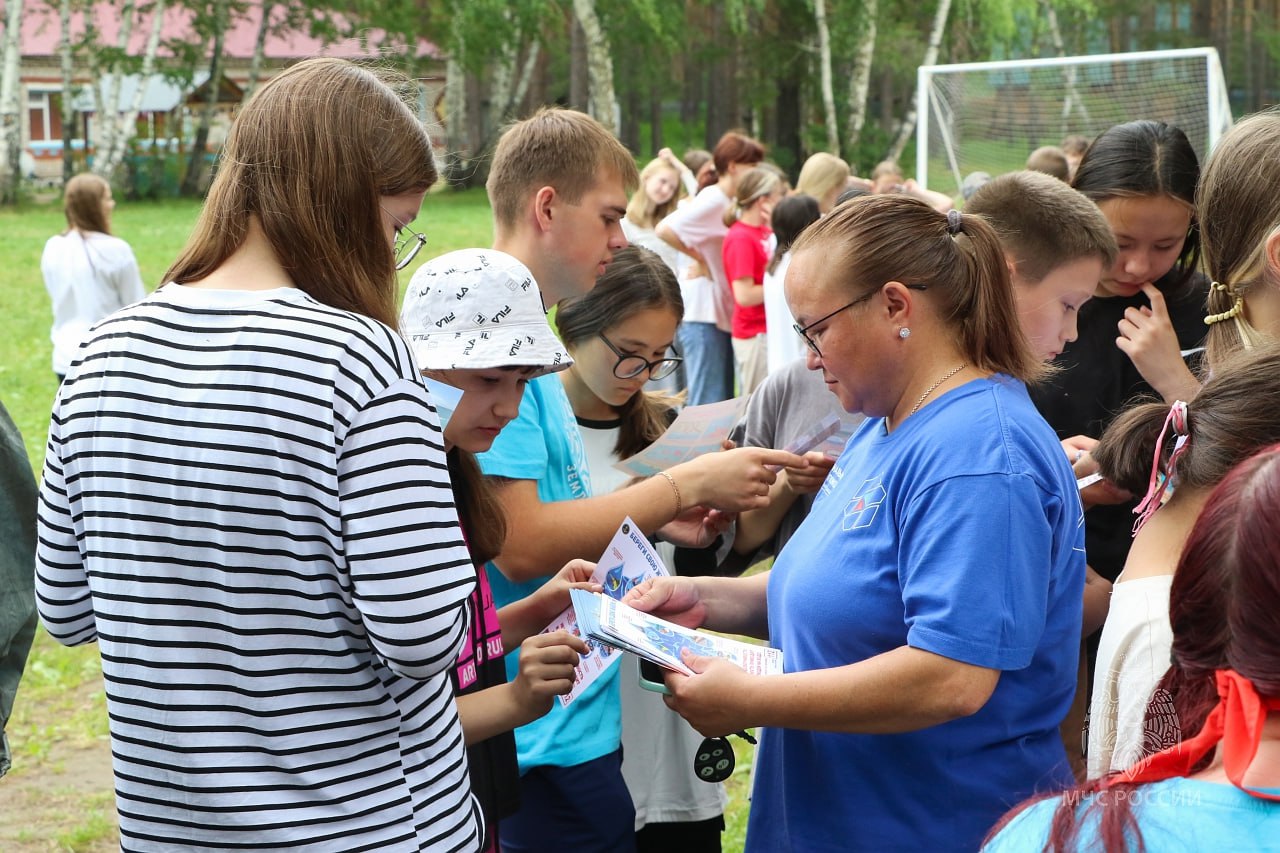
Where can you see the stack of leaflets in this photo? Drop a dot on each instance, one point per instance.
(607, 621)
(628, 561)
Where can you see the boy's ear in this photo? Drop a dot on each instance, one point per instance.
(544, 202)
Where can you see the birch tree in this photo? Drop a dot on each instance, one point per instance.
(10, 114)
(824, 74)
(908, 126)
(218, 22)
(122, 123)
(860, 78)
(259, 47)
(602, 101)
(66, 65)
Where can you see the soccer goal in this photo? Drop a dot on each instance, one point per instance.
(988, 116)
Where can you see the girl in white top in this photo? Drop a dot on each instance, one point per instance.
(1193, 447)
(89, 273)
(659, 194)
(792, 215)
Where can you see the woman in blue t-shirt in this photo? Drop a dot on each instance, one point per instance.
(929, 607)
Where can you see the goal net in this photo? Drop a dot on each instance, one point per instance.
(989, 116)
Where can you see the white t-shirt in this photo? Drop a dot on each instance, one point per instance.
(657, 744)
(1133, 655)
(784, 345)
(89, 276)
(700, 226)
(648, 238)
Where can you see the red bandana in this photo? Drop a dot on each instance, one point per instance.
(1236, 721)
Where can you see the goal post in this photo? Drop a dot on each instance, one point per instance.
(989, 116)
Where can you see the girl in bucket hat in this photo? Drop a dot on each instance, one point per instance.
(476, 324)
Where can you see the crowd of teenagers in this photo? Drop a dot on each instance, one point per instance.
(320, 613)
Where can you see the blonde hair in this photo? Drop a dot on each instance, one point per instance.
(311, 156)
(821, 174)
(754, 185)
(83, 204)
(1239, 212)
(641, 211)
(559, 148)
(879, 238)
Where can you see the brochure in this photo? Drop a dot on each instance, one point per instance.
(628, 561)
(444, 397)
(697, 430)
(613, 623)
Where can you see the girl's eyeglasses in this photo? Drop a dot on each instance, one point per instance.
(408, 242)
(631, 366)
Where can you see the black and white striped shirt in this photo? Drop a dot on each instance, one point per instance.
(246, 503)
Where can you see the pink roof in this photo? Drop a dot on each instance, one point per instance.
(40, 32)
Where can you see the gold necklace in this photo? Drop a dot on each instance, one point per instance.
(934, 387)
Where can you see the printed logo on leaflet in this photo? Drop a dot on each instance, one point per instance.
(862, 510)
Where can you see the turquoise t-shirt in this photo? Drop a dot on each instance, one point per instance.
(543, 444)
(1174, 816)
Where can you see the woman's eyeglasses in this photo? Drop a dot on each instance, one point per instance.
(631, 366)
(803, 331)
(408, 242)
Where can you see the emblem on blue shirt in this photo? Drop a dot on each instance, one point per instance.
(861, 511)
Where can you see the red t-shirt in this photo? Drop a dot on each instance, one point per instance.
(746, 254)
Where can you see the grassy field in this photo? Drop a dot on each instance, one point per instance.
(58, 796)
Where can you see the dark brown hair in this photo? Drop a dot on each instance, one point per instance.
(82, 203)
(479, 509)
(1232, 416)
(310, 156)
(881, 238)
(554, 147)
(1146, 158)
(735, 147)
(1042, 223)
(637, 280)
(791, 216)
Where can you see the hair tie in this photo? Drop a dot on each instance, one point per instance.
(1157, 486)
(955, 222)
(1237, 305)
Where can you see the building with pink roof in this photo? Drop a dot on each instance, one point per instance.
(166, 103)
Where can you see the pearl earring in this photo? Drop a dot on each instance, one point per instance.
(904, 333)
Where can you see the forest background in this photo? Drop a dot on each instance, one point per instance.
(802, 75)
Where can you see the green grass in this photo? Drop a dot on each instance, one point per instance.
(60, 700)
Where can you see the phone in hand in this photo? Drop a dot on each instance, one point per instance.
(652, 677)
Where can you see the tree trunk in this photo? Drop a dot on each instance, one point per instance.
(107, 163)
(655, 120)
(107, 107)
(930, 58)
(602, 101)
(578, 78)
(10, 114)
(195, 165)
(259, 45)
(68, 101)
(860, 79)
(824, 61)
(457, 151)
